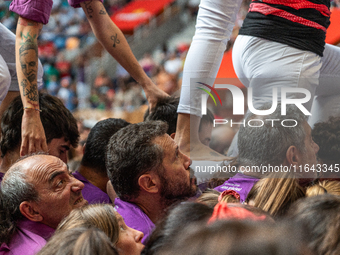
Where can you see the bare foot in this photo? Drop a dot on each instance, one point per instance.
(199, 151)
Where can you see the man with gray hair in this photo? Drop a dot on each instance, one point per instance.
(272, 143)
(37, 192)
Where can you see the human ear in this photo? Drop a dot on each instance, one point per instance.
(27, 209)
(84, 146)
(149, 182)
(293, 156)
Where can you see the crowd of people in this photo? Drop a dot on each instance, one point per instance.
(165, 185)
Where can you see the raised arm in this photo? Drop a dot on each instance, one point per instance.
(113, 40)
(26, 51)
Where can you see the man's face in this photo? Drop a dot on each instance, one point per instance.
(205, 133)
(59, 147)
(175, 176)
(58, 191)
(29, 64)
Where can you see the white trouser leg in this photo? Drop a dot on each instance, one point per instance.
(215, 22)
(327, 95)
(5, 79)
(263, 65)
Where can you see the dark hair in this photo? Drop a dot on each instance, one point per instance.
(14, 190)
(131, 153)
(56, 119)
(97, 140)
(320, 218)
(177, 219)
(327, 136)
(79, 241)
(268, 144)
(237, 238)
(165, 110)
(208, 118)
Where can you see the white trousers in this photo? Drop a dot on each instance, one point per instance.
(215, 22)
(262, 65)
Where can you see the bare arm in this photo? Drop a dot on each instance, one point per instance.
(113, 40)
(26, 50)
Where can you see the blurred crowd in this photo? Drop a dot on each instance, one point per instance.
(62, 51)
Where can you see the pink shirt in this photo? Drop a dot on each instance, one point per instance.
(28, 239)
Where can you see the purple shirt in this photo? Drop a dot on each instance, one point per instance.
(134, 217)
(37, 10)
(28, 239)
(91, 193)
(241, 183)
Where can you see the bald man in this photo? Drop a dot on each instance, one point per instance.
(37, 192)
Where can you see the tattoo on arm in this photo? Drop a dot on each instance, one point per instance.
(102, 11)
(30, 91)
(30, 23)
(28, 57)
(115, 40)
(24, 84)
(89, 9)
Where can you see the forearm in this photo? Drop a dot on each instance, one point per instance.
(26, 51)
(113, 40)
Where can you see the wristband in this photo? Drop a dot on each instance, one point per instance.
(38, 110)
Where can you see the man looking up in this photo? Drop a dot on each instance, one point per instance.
(269, 141)
(37, 192)
(148, 172)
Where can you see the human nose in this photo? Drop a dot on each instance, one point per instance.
(77, 185)
(138, 236)
(187, 161)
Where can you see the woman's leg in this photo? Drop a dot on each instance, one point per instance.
(215, 22)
